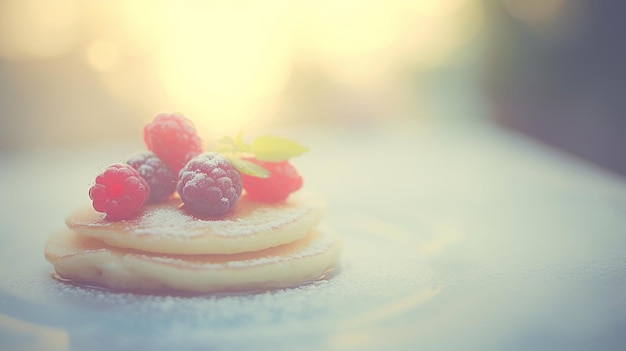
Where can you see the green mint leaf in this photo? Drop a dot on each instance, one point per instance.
(276, 149)
(249, 168)
(237, 143)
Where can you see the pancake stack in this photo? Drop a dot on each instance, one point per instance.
(257, 246)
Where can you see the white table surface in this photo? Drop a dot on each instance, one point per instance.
(454, 239)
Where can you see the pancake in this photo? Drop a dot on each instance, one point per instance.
(168, 228)
(83, 259)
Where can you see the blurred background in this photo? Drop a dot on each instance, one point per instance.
(76, 72)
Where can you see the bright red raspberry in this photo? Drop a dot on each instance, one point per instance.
(283, 180)
(119, 191)
(173, 138)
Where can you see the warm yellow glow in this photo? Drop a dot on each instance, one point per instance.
(37, 28)
(365, 45)
(446, 235)
(393, 308)
(367, 329)
(443, 29)
(227, 65)
(102, 54)
(222, 63)
(34, 336)
(142, 22)
(339, 30)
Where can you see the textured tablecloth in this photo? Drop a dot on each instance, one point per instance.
(454, 239)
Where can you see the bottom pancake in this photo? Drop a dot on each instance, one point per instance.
(87, 260)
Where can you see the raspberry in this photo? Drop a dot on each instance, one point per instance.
(209, 184)
(119, 191)
(283, 180)
(173, 138)
(160, 178)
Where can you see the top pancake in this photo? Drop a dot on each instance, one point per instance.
(168, 228)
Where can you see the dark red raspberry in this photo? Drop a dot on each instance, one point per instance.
(160, 178)
(119, 191)
(173, 138)
(283, 180)
(209, 184)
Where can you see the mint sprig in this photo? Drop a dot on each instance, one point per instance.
(249, 168)
(276, 149)
(264, 148)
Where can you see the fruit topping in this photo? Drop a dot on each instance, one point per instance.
(264, 165)
(119, 191)
(282, 181)
(160, 177)
(173, 138)
(209, 184)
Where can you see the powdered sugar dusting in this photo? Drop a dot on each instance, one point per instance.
(318, 245)
(197, 176)
(172, 221)
(313, 249)
(169, 221)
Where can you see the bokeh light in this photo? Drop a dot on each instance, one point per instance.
(230, 66)
(102, 54)
(221, 63)
(38, 28)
